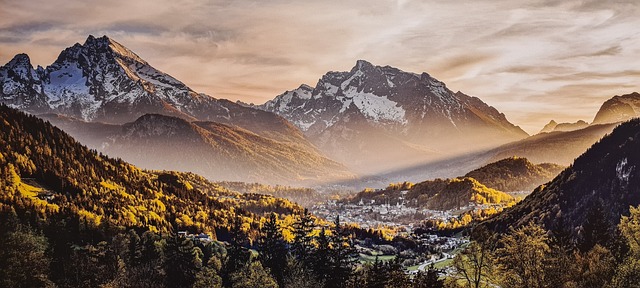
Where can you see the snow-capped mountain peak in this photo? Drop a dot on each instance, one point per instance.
(416, 108)
(103, 81)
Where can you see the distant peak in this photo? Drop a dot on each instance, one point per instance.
(20, 59)
(362, 64)
(99, 42)
(105, 43)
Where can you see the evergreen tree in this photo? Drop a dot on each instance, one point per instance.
(302, 241)
(322, 258)
(237, 256)
(397, 277)
(273, 250)
(343, 255)
(183, 261)
(376, 274)
(596, 229)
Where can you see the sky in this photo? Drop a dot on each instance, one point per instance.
(533, 60)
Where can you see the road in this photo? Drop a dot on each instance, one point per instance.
(424, 265)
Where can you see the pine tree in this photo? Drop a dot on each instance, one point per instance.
(596, 229)
(302, 242)
(376, 274)
(322, 258)
(273, 250)
(237, 256)
(397, 278)
(343, 255)
(183, 261)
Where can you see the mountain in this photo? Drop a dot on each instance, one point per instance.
(216, 151)
(515, 174)
(378, 111)
(46, 174)
(438, 194)
(619, 108)
(103, 81)
(555, 147)
(605, 176)
(97, 89)
(555, 126)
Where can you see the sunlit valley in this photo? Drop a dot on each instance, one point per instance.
(114, 173)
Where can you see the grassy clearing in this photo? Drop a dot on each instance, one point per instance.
(443, 264)
(413, 268)
(370, 259)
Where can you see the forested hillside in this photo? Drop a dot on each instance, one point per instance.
(515, 174)
(40, 161)
(601, 184)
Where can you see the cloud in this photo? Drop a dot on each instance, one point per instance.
(517, 55)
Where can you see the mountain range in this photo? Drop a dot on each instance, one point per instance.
(604, 176)
(378, 121)
(374, 117)
(553, 126)
(110, 99)
(214, 150)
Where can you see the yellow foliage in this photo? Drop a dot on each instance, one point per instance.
(110, 185)
(90, 218)
(288, 235)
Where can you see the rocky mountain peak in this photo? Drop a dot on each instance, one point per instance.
(414, 109)
(19, 68)
(619, 108)
(362, 65)
(20, 60)
(103, 81)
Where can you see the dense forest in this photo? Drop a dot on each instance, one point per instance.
(515, 174)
